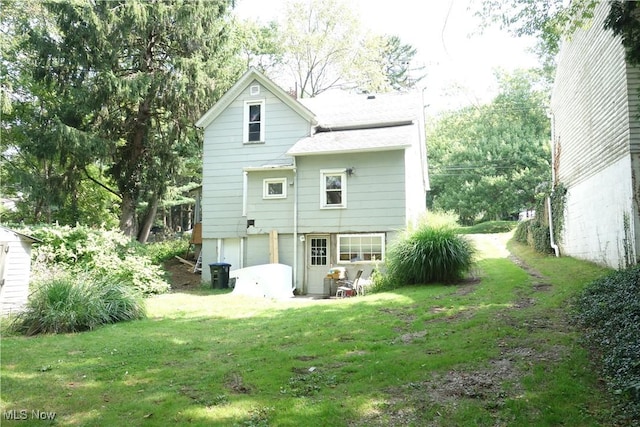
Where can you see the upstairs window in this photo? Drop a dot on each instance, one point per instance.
(333, 187)
(254, 121)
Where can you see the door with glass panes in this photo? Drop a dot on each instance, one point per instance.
(318, 261)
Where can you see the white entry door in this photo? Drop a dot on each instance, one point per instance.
(318, 261)
(232, 253)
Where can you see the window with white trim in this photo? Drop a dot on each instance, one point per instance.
(333, 187)
(366, 248)
(254, 121)
(274, 188)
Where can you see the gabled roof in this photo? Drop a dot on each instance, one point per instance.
(21, 236)
(357, 140)
(249, 77)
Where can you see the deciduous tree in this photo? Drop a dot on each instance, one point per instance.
(325, 47)
(486, 162)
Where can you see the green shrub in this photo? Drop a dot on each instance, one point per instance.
(539, 237)
(440, 218)
(488, 227)
(70, 246)
(134, 270)
(78, 303)
(104, 252)
(159, 252)
(429, 254)
(381, 282)
(521, 235)
(608, 310)
(534, 234)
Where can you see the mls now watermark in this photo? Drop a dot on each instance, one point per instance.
(23, 415)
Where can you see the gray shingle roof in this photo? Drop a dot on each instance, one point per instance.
(358, 123)
(374, 139)
(358, 111)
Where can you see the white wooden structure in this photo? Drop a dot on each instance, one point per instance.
(15, 269)
(596, 145)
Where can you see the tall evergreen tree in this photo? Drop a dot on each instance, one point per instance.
(120, 84)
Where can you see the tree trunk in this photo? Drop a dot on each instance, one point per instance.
(128, 215)
(147, 222)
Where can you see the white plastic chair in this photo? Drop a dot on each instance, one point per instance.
(347, 287)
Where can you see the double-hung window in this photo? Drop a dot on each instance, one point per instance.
(254, 121)
(361, 247)
(333, 189)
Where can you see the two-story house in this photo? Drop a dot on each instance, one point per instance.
(323, 182)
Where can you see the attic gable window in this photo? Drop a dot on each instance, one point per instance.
(253, 122)
(333, 187)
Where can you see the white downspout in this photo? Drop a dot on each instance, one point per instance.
(553, 243)
(244, 192)
(295, 225)
(553, 185)
(242, 252)
(245, 198)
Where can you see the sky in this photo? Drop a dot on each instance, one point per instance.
(460, 59)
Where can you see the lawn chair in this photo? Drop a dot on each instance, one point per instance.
(347, 288)
(362, 286)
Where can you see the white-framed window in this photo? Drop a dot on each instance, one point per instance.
(254, 121)
(366, 248)
(274, 188)
(333, 189)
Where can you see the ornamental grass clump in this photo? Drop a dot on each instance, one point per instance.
(429, 254)
(78, 303)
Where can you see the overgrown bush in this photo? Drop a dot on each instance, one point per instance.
(159, 252)
(539, 237)
(381, 282)
(430, 253)
(71, 246)
(608, 310)
(78, 303)
(534, 234)
(521, 235)
(134, 270)
(102, 252)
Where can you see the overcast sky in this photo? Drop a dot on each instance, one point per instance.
(460, 60)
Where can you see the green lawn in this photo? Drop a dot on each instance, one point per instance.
(495, 350)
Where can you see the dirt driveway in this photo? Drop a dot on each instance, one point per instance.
(491, 245)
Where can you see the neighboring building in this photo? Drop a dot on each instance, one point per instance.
(311, 183)
(15, 269)
(596, 145)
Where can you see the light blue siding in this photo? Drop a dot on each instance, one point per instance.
(225, 155)
(375, 193)
(270, 214)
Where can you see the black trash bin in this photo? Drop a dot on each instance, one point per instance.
(219, 275)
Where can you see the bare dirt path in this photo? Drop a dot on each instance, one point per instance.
(491, 245)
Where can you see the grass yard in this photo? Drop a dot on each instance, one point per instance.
(495, 350)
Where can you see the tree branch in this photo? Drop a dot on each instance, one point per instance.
(86, 172)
